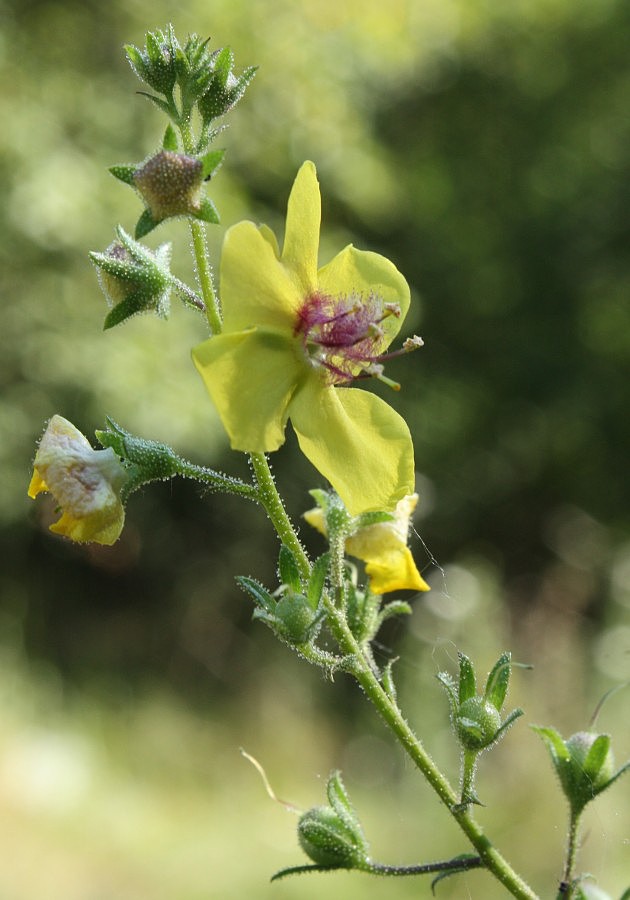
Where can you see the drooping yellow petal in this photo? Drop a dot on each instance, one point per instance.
(251, 377)
(301, 238)
(361, 273)
(100, 528)
(394, 570)
(37, 485)
(358, 442)
(256, 288)
(383, 548)
(86, 484)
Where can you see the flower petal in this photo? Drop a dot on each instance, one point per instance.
(256, 289)
(358, 442)
(301, 238)
(393, 570)
(99, 528)
(363, 273)
(84, 482)
(251, 377)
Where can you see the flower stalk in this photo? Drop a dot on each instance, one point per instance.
(200, 250)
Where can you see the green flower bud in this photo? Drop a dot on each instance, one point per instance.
(225, 89)
(327, 841)
(155, 63)
(478, 723)
(332, 835)
(133, 278)
(579, 746)
(295, 618)
(584, 764)
(170, 184)
(477, 718)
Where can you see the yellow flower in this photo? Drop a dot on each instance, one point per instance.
(294, 337)
(383, 548)
(85, 483)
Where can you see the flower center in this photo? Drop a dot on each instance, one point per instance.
(344, 335)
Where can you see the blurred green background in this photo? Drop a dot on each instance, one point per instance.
(482, 147)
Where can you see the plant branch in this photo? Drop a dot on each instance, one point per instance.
(200, 250)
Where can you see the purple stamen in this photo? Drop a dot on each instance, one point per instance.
(343, 334)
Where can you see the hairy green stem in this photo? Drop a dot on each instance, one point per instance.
(567, 887)
(469, 762)
(392, 716)
(271, 500)
(268, 495)
(217, 481)
(461, 864)
(200, 250)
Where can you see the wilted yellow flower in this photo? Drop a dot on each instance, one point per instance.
(383, 548)
(86, 484)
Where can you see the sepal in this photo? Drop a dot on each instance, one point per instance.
(146, 460)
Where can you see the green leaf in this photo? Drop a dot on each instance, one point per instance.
(144, 225)
(340, 801)
(318, 579)
(596, 757)
(169, 142)
(223, 65)
(387, 679)
(124, 173)
(300, 870)
(288, 569)
(114, 438)
(510, 720)
(448, 682)
(130, 306)
(154, 48)
(208, 212)
(498, 681)
(257, 592)
(468, 862)
(554, 742)
(395, 608)
(467, 680)
(211, 162)
(137, 61)
(162, 104)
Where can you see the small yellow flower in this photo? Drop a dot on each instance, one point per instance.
(295, 336)
(85, 483)
(383, 548)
